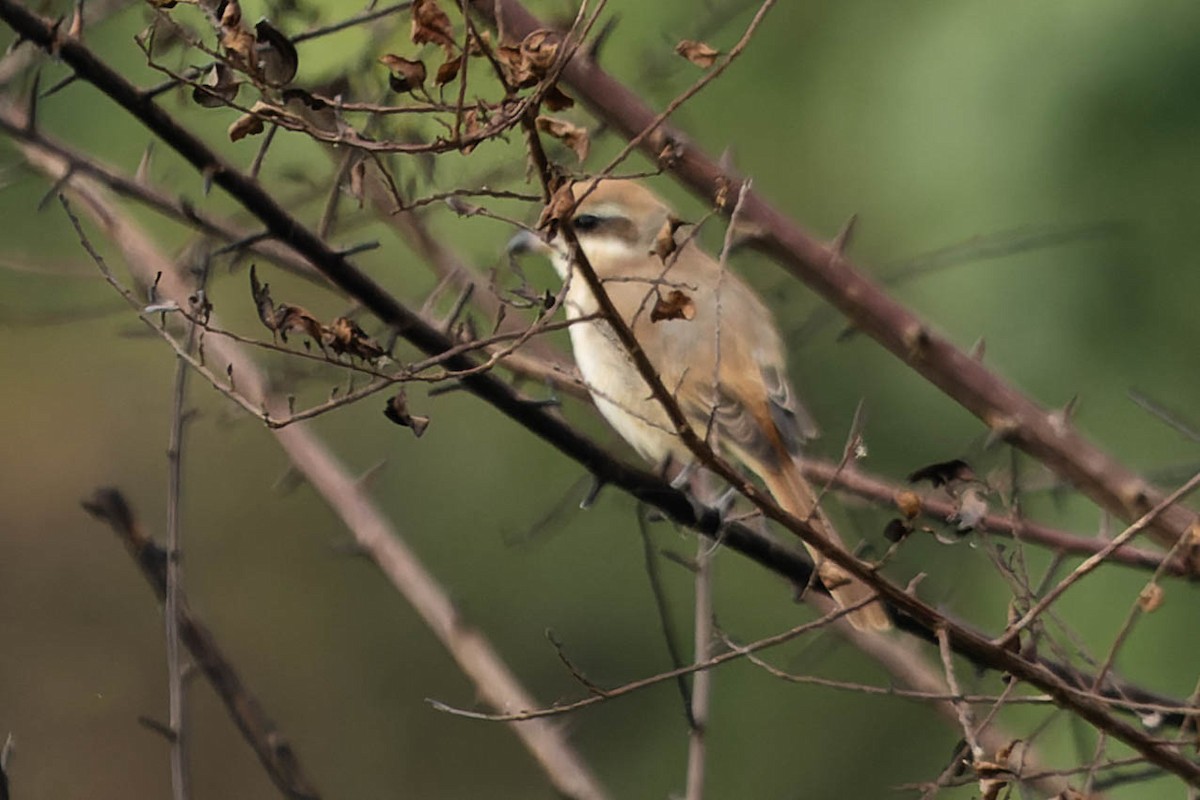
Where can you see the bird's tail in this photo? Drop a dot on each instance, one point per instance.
(796, 495)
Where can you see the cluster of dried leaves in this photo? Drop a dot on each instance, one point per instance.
(343, 336)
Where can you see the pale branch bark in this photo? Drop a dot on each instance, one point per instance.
(274, 751)
(537, 360)
(373, 533)
(545, 425)
(1047, 435)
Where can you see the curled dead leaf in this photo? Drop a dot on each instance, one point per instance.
(278, 60)
(943, 473)
(397, 411)
(448, 71)
(699, 53)
(561, 204)
(406, 75)
(245, 125)
(971, 507)
(676, 305)
(430, 25)
(540, 48)
(1150, 598)
(555, 99)
(261, 292)
(664, 242)
(344, 336)
(297, 319)
(897, 530)
(219, 87)
(909, 504)
(573, 136)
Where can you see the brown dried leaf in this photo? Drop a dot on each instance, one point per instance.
(397, 411)
(239, 43)
(231, 14)
(516, 67)
(664, 242)
(971, 508)
(470, 128)
(289, 318)
(897, 530)
(561, 204)
(568, 133)
(344, 335)
(278, 60)
(699, 53)
(261, 292)
(476, 44)
(219, 87)
(406, 75)
(555, 99)
(909, 504)
(540, 48)
(448, 71)
(1150, 598)
(430, 25)
(245, 125)
(943, 473)
(358, 179)
(675, 305)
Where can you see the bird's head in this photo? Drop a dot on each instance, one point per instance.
(615, 220)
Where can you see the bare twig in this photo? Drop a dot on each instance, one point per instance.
(274, 752)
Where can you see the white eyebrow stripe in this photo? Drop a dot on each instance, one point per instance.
(604, 211)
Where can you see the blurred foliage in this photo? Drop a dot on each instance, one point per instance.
(932, 122)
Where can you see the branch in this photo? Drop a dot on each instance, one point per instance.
(273, 750)
(547, 426)
(1010, 415)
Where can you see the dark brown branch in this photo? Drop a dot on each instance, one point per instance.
(914, 613)
(1010, 414)
(273, 750)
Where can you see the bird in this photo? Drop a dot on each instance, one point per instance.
(713, 343)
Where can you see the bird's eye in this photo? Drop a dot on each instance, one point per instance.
(586, 222)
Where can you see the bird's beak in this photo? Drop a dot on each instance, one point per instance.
(527, 242)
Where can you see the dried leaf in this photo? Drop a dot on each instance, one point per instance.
(476, 44)
(516, 67)
(430, 25)
(278, 60)
(971, 508)
(358, 177)
(406, 75)
(897, 530)
(470, 128)
(344, 335)
(664, 242)
(540, 48)
(245, 125)
(555, 99)
(219, 87)
(289, 318)
(397, 411)
(1150, 598)
(571, 135)
(448, 71)
(561, 204)
(261, 292)
(675, 305)
(943, 473)
(909, 504)
(699, 53)
(238, 42)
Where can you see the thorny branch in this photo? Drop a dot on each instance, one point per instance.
(1010, 416)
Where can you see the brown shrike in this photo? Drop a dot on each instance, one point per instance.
(723, 361)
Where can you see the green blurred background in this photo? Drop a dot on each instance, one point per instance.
(933, 122)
